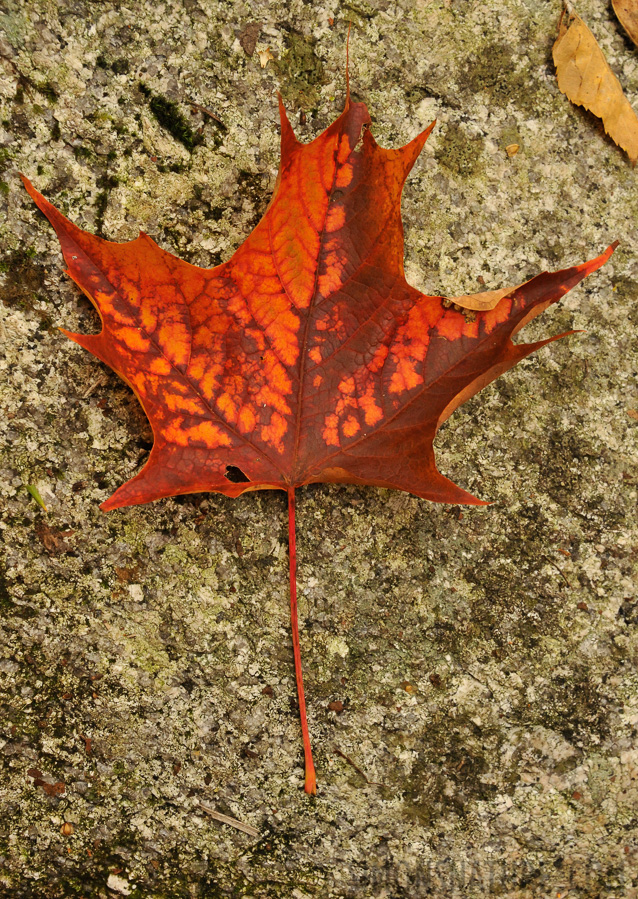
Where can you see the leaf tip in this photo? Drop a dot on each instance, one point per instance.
(35, 493)
(288, 137)
(30, 189)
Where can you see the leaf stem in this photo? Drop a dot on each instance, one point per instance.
(310, 785)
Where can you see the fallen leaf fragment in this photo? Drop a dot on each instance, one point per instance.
(633, 413)
(483, 302)
(585, 78)
(627, 13)
(52, 538)
(232, 822)
(265, 56)
(512, 149)
(249, 36)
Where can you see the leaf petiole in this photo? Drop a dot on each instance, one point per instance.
(310, 785)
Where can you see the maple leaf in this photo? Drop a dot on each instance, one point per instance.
(306, 357)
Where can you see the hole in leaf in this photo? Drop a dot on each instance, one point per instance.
(235, 475)
(359, 144)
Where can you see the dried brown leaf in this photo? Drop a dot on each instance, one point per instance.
(52, 538)
(483, 302)
(248, 37)
(585, 78)
(627, 13)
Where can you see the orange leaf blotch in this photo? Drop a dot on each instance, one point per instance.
(498, 315)
(237, 310)
(148, 318)
(331, 322)
(207, 374)
(276, 383)
(345, 174)
(246, 420)
(405, 377)
(206, 330)
(414, 336)
(259, 338)
(268, 397)
(107, 305)
(282, 333)
(409, 349)
(373, 413)
(451, 325)
(133, 339)
(315, 355)
(347, 386)
(227, 407)
(351, 426)
(430, 310)
(471, 328)
(330, 432)
(175, 340)
(344, 149)
(376, 363)
(160, 366)
(206, 434)
(175, 402)
(336, 218)
(317, 380)
(273, 432)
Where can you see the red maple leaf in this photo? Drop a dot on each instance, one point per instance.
(306, 357)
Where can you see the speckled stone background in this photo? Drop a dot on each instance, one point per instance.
(485, 659)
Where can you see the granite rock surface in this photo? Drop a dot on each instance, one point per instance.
(470, 673)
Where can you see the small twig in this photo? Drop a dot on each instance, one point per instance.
(372, 783)
(232, 822)
(100, 381)
(206, 112)
(551, 562)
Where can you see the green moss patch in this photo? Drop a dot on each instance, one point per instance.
(302, 72)
(170, 117)
(461, 154)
